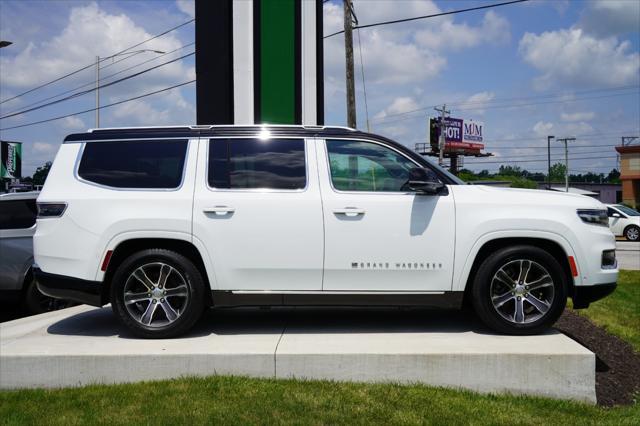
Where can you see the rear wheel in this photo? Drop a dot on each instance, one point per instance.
(157, 293)
(632, 233)
(519, 290)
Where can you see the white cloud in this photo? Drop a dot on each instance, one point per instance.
(73, 123)
(577, 116)
(449, 35)
(187, 7)
(611, 17)
(90, 31)
(43, 148)
(572, 57)
(542, 129)
(477, 102)
(398, 106)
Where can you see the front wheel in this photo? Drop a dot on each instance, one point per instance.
(632, 233)
(157, 293)
(519, 290)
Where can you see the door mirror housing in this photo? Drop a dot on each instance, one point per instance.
(422, 182)
(616, 215)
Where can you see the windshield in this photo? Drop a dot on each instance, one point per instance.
(627, 210)
(450, 175)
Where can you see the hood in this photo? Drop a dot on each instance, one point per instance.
(540, 196)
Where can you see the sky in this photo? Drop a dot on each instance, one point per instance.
(528, 70)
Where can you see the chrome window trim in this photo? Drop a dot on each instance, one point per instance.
(338, 191)
(258, 190)
(77, 176)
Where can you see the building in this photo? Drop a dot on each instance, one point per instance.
(630, 174)
(608, 193)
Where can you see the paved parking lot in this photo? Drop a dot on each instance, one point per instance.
(628, 255)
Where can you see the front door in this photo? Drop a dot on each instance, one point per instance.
(378, 235)
(257, 210)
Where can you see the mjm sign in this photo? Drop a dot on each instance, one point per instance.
(459, 134)
(10, 160)
(259, 61)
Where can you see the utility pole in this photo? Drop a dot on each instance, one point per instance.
(549, 161)
(97, 92)
(443, 128)
(566, 161)
(348, 51)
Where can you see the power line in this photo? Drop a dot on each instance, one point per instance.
(499, 100)
(91, 83)
(84, 92)
(101, 107)
(94, 64)
(517, 105)
(538, 161)
(452, 12)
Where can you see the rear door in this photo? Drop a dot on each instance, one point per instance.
(258, 212)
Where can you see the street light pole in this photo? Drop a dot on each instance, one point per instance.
(98, 60)
(549, 161)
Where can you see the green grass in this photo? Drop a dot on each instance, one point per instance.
(619, 313)
(236, 400)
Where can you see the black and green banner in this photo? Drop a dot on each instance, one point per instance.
(10, 160)
(259, 61)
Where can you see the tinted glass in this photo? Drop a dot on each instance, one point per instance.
(17, 214)
(256, 163)
(365, 166)
(628, 210)
(134, 164)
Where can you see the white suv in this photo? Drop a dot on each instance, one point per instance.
(163, 222)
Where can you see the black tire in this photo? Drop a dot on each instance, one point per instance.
(632, 233)
(182, 272)
(553, 294)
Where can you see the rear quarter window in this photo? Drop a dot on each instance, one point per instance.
(134, 164)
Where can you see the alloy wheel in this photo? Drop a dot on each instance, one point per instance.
(522, 291)
(156, 294)
(633, 234)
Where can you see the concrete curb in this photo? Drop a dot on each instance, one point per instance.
(84, 345)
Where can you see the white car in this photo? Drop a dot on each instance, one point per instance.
(624, 221)
(164, 222)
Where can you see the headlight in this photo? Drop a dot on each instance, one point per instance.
(594, 217)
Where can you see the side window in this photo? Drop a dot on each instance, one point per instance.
(610, 211)
(256, 163)
(17, 214)
(366, 166)
(134, 164)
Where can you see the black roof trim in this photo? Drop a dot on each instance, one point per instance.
(218, 131)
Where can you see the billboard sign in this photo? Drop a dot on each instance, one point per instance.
(460, 135)
(10, 160)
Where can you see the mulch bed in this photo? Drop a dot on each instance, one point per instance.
(617, 365)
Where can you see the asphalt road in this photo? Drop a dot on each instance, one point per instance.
(628, 255)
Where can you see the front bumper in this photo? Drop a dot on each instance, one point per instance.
(69, 288)
(584, 295)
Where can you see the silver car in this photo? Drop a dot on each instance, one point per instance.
(17, 226)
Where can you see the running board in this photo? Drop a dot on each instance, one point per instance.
(444, 300)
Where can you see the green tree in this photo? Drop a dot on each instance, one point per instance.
(557, 172)
(510, 171)
(41, 174)
(613, 176)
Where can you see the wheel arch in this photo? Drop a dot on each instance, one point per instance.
(127, 247)
(490, 246)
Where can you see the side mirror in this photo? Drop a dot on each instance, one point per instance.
(421, 182)
(616, 215)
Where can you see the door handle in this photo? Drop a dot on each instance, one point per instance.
(219, 210)
(349, 211)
